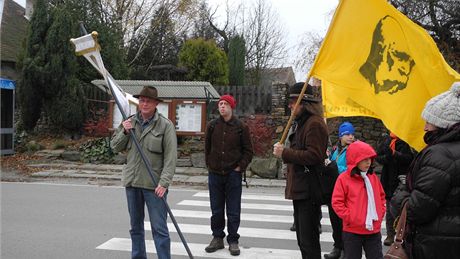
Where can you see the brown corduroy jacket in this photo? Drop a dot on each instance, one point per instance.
(308, 144)
(227, 145)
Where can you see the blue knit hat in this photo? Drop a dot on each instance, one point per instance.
(346, 128)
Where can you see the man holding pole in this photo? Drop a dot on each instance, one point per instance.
(308, 139)
(157, 137)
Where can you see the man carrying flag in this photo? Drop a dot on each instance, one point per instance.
(158, 137)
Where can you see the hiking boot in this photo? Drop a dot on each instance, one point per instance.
(216, 244)
(334, 254)
(292, 227)
(389, 240)
(234, 249)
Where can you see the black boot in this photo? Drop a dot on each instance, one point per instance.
(234, 249)
(216, 244)
(292, 227)
(334, 254)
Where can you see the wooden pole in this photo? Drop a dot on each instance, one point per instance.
(291, 118)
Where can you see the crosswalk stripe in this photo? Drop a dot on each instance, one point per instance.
(250, 197)
(281, 205)
(245, 217)
(124, 244)
(267, 233)
(256, 206)
(177, 248)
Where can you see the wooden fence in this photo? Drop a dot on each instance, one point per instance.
(97, 99)
(250, 99)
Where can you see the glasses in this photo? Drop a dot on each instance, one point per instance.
(146, 101)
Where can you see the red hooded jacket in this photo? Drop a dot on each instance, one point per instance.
(349, 198)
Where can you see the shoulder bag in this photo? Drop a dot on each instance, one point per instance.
(396, 250)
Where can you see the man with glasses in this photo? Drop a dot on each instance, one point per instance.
(157, 137)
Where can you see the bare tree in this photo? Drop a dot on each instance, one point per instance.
(264, 40)
(308, 47)
(441, 18)
(133, 17)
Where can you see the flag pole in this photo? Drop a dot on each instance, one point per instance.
(289, 123)
(291, 117)
(106, 76)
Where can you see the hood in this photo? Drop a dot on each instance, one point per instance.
(358, 151)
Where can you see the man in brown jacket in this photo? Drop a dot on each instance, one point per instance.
(305, 153)
(228, 151)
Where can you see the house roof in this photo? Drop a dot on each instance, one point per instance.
(13, 30)
(168, 89)
(283, 75)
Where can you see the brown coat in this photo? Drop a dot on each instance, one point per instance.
(227, 145)
(308, 146)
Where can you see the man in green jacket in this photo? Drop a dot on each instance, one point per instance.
(157, 137)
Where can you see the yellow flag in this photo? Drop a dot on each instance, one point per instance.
(383, 62)
(338, 103)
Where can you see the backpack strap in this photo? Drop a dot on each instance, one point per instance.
(239, 124)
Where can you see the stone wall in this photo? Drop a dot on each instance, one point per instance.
(268, 129)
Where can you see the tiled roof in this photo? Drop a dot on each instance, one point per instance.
(13, 30)
(168, 89)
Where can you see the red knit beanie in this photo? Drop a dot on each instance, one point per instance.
(228, 98)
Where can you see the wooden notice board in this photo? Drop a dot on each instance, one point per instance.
(189, 117)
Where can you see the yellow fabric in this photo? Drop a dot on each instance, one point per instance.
(382, 61)
(338, 103)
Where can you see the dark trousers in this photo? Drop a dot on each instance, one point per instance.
(336, 223)
(225, 191)
(389, 220)
(355, 243)
(306, 221)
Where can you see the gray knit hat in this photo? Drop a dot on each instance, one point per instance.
(443, 110)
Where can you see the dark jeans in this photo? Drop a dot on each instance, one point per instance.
(389, 220)
(355, 243)
(306, 221)
(225, 192)
(336, 223)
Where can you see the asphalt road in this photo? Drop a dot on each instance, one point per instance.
(65, 220)
(43, 220)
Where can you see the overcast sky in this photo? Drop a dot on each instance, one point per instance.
(296, 16)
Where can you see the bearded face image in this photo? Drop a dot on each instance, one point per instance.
(389, 65)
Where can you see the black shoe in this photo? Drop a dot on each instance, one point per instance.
(334, 254)
(388, 241)
(216, 244)
(292, 227)
(234, 249)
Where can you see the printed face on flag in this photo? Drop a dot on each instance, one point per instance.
(389, 64)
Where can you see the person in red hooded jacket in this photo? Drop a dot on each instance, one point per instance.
(359, 200)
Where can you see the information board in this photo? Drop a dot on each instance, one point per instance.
(163, 108)
(188, 117)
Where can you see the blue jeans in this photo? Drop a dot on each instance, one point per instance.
(137, 199)
(225, 192)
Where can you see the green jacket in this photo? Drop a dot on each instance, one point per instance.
(159, 143)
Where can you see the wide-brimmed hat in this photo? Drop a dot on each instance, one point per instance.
(149, 91)
(308, 96)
